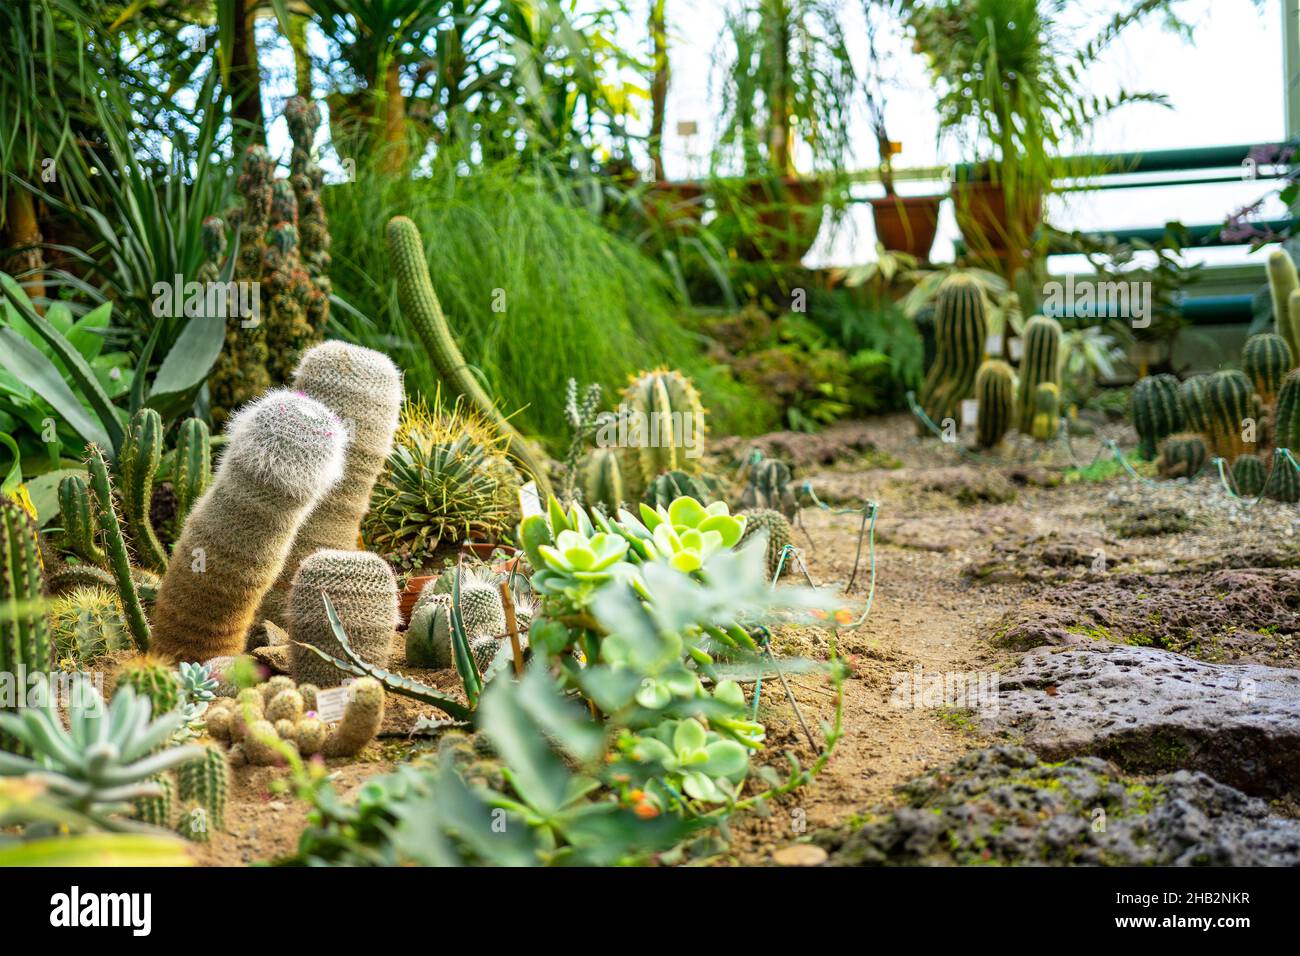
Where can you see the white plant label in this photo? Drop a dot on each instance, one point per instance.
(331, 703)
(530, 503)
(1017, 349)
(970, 412)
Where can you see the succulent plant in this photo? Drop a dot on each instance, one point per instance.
(687, 534)
(198, 689)
(115, 547)
(1282, 284)
(665, 426)
(1283, 481)
(671, 485)
(1230, 405)
(1248, 475)
(244, 722)
(192, 468)
(1047, 411)
(206, 782)
(77, 511)
(769, 485)
(1286, 416)
(602, 479)
(158, 810)
(1182, 455)
(1157, 411)
(773, 524)
(86, 622)
(24, 632)
(1266, 359)
(995, 391)
(137, 464)
(284, 452)
(363, 590)
(152, 679)
(960, 328)
(1041, 363)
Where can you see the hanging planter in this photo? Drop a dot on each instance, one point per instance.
(907, 223)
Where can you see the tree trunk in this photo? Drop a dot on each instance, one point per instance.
(390, 111)
(658, 84)
(23, 229)
(246, 74)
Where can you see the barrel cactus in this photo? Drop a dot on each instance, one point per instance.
(153, 679)
(1266, 359)
(1196, 403)
(995, 391)
(363, 590)
(770, 485)
(602, 480)
(1182, 455)
(1232, 408)
(86, 622)
(671, 485)
(1284, 480)
(665, 427)
(1041, 363)
(1157, 411)
(960, 328)
(1286, 417)
(1248, 476)
(1047, 412)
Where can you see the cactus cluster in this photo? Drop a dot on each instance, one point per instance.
(24, 633)
(1266, 359)
(1182, 455)
(995, 387)
(191, 799)
(363, 590)
(775, 527)
(1157, 411)
(769, 484)
(664, 420)
(960, 328)
(428, 636)
(1041, 364)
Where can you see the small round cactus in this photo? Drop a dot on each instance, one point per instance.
(153, 679)
(1181, 456)
(1266, 359)
(363, 590)
(361, 719)
(1157, 410)
(286, 705)
(1248, 475)
(773, 524)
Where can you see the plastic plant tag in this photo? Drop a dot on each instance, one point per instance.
(970, 410)
(331, 703)
(1017, 349)
(530, 503)
(993, 344)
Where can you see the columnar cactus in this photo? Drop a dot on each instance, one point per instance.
(995, 391)
(1231, 408)
(1196, 404)
(361, 719)
(1182, 455)
(1266, 359)
(307, 178)
(364, 389)
(422, 309)
(1286, 418)
(1041, 363)
(1157, 411)
(671, 485)
(1248, 475)
(769, 486)
(363, 590)
(78, 514)
(960, 328)
(602, 480)
(1047, 412)
(666, 426)
(773, 524)
(24, 633)
(207, 783)
(115, 547)
(157, 810)
(284, 452)
(1282, 284)
(154, 679)
(137, 464)
(192, 471)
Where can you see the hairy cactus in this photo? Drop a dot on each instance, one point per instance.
(1230, 407)
(137, 464)
(602, 480)
(1266, 359)
(78, 514)
(773, 524)
(1196, 403)
(1047, 412)
(960, 329)
(1182, 455)
(361, 719)
(668, 487)
(111, 529)
(423, 311)
(1248, 475)
(1282, 285)
(995, 391)
(206, 782)
(769, 486)
(363, 590)
(1157, 411)
(1286, 418)
(192, 471)
(87, 622)
(665, 424)
(364, 389)
(285, 452)
(24, 632)
(1041, 363)
(152, 679)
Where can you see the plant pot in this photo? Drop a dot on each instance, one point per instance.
(406, 600)
(907, 223)
(985, 224)
(777, 219)
(485, 549)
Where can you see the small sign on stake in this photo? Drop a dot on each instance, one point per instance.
(530, 503)
(332, 702)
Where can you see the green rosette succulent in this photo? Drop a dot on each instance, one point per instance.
(698, 762)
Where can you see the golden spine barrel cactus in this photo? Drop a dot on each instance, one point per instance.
(86, 622)
(423, 311)
(1047, 411)
(1283, 283)
(1181, 456)
(284, 452)
(666, 427)
(364, 389)
(363, 590)
(1157, 410)
(960, 328)
(1230, 408)
(1042, 359)
(1266, 359)
(994, 390)
(602, 480)
(1286, 420)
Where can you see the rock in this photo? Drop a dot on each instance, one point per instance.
(1143, 520)
(799, 854)
(1005, 806)
(966, 484)
(277, 658)
(1151, 711)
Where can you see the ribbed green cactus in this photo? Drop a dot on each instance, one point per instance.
(1266, 359)
(428, 635)
(24, 632)
(759, 521)
(1182, 455)
(770, 485)
(1157, 410)
(602, 480)
(78, 515)
(1286, 417)
(87, 622)
(1047, 412)
(207, 783)
(363, 590)
(423, 311)
(157, 810)
(1231, 407)
(1041, 363)
(153, 679)
(137, 464)
(668, 487)
(995, 391)
(192, 471)
(1283, 481)
(119, 562)
(960, 328)
(1194, 393)
(666, 426)
(1248, 475)
(1282, 285)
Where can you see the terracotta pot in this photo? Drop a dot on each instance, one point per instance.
(907, 223)
(981, 209)
(406, 601)
(787, 215)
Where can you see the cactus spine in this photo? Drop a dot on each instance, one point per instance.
(192, 471)
(207, 783)
(960, 328)
(119, 562)
(1157, 410)
(1196, 403)
(1041, 364)
(285, 452)
(1181, 456)
(1266, 359)
(994, 390)
(424, 312)
(1282, 285)
(1230, 402)
(1248, 475)
(363, 591)
(78, 513)
(1047, 411)
(1286, 431)
(24, 632)
(602, 482)
(86, 623)
(137, 463)
(666, 425)
(153, 679)
(773, 524)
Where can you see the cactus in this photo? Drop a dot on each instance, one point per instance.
(1284, 480)
(87, 622)
(602, 480)
(1266, 359)
(286, 705)
(995, 391)
(364, 389)
(1157, 411)
(1047, 411)
(1282, 285)
(665, 425)
(68, 577)
(423, 311)
(78, 513)
(24, 632)
(361, 719)
(1041, 363)
(284, 452)
(1286, 418)
(1182, 455)
(1248, 476)
(111, 529)
(668, 487)
(152, 679)
(1230, 403)
(364, 593)
(157, 810)
(960, 329)
(137, 464)
(207, 783)
(192, 471)
(1196, 404)
(760, 521)
(428, 635)
(769, 486)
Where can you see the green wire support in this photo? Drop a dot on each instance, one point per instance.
(966, 453)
